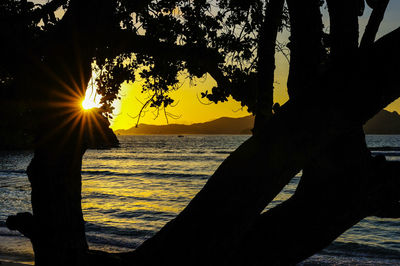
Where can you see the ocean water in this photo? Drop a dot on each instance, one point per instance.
(130, 192)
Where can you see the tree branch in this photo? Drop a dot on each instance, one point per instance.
(266, 61)
(305, 45)
(46, 9)
(344, 33)
(338, 190)
(373, 23)
(128, 41)
(205, 60)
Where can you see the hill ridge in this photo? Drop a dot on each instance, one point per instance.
(384, 122)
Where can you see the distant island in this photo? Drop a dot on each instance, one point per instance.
(384, 122)
(223, 125)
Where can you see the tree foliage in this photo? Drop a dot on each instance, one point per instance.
(229, 29)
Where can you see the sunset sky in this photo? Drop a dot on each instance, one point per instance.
(190, 110)
(188, 107)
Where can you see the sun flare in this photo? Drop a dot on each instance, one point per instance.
(88, 104)
(92, 99)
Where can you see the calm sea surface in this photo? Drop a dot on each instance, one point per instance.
(131, 192)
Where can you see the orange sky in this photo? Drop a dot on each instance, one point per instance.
(188, 107)
(190, 110)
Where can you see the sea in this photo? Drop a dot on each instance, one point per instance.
(130, 192)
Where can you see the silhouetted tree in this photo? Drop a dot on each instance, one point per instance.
(234, 42)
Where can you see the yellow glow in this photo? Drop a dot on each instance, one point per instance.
(187, 106)
(74, 120)
(92, 99)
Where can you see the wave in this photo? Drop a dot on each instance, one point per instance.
(124, 232)
(4, 231)
(100, 195)
(203, 157)
(112, 243)
(147, 215)
(116, 157)
(18, 171)
(385, 153)
(223, 152)
(338, 248)
(104, 173)
(384, 148)
(166, 155)
(143, 174)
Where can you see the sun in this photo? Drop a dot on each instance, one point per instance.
(89, 104)
(92, 99)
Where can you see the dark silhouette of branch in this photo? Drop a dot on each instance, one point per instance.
(42, 11)
(203, 103)
(281, 47)
(206, 59)
(344, 30)
(266, 61)
(142, 109)
(373, 23)
(305, 46)
(128, 41)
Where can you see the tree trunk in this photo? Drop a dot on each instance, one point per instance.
(58, 84)
(344, 33)
(329, 199)
(266, 62)
(54, 172)
(306, 51)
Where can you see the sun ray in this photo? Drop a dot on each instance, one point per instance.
(70, 105)
(74, 117)
(99, 127)
(92, 99)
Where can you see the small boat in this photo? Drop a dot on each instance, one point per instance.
(180, 136)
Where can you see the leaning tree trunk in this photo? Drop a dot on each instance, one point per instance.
(340, 186)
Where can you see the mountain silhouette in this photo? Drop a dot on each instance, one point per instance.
(384, 122)
(223, 125)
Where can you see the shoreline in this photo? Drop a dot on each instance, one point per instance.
(11, 263)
